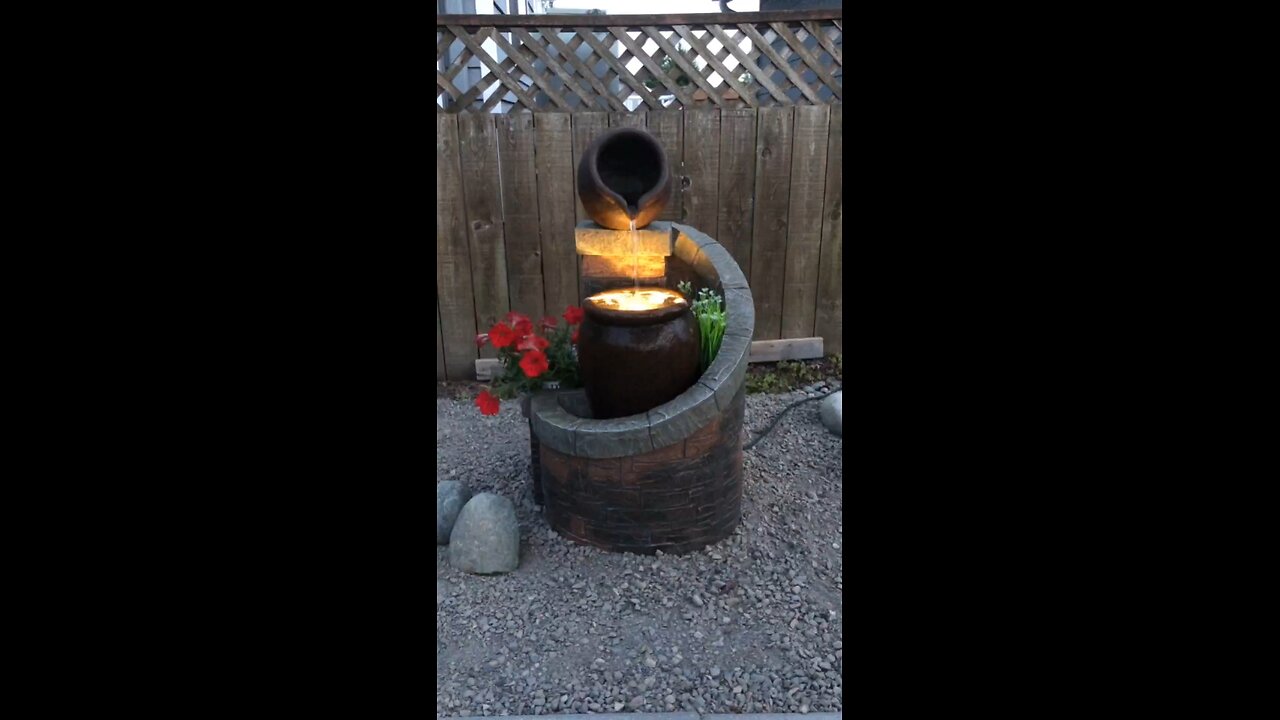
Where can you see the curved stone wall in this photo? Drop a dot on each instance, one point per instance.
(670, 478)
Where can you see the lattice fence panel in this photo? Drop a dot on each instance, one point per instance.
(629, 62)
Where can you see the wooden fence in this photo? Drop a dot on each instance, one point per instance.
(765, 182)
(600, 62)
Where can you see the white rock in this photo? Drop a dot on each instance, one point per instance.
(832, 415)
(486, 537)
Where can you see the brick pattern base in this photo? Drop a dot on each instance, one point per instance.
(535, 465)
(677, 499)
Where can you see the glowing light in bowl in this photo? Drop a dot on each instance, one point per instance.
(637, 301)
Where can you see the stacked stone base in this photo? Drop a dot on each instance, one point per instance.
(677, 499)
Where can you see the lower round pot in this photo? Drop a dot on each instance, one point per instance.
(676, 499)
(632, 362)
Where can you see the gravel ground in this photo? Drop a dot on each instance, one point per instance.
(751, 624)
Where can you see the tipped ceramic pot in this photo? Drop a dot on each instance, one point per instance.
(623, 175)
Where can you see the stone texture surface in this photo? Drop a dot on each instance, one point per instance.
(575, 402)
(693, 235)
(672, 422)
(740, 312)
(655, 239)
(612, 438)
(552, 425)
(486, 537)
(832, 412)
(717, 265)
(450, 497)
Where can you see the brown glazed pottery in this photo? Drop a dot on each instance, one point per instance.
(623, 175)
(634, 361)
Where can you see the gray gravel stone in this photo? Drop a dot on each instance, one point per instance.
(777, 579)
(451, 495)
(486, 537)
(832, 414)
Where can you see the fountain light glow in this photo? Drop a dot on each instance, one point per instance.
(637, 301)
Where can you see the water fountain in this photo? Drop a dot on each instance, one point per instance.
(647, 455)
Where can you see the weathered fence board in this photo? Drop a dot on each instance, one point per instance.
(700, 194)
(829, 315)
(737, 184)
(586, 127)
(668, 127)
(520, 210)
(453, 258)
(773, 197)
(440, 370)
(766, 183)
(553, 136)
(482, 196)
(804, 228)
(626, 119)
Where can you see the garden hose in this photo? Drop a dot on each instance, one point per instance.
(779, 417)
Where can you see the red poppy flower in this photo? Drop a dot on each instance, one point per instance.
(549, 323)
(481, 339)
(533, 342)
(501, 335)
(523, 327)
(534, 363)
(573, 314)
(487, 403)
(513, 318)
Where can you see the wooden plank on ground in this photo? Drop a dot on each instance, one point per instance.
(830, 319)
(520, 212)
(440, 371)
(700, 198)
(735, 216)
(553, 144)
(586, 127)
(804, 230)
(482, 195)
(453, 257)
(774, 350)
(667, 126)
(773, 197)
(486, 368)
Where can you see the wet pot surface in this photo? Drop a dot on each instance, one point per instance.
(632, 362)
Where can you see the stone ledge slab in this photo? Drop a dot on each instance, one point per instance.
(656, 239)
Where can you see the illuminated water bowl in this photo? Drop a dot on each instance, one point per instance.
(637, 349)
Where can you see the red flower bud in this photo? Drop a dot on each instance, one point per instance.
(487, 403)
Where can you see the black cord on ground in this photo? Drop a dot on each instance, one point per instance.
(784, 412)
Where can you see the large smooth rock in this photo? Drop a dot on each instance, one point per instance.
(451, 496)
(832, 414)
(486, 537)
